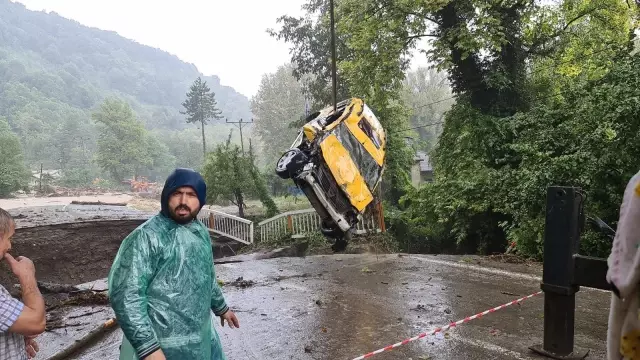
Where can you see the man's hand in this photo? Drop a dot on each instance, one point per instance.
(231, 318)
(156, 355)
(32, 319)
(31, 346)
(22, 267)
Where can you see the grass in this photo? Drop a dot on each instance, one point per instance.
(318, 244)
(289, 203)
(382, 243)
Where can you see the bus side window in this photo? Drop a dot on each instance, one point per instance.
(363, 124)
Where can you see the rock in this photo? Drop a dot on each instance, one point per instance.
(242, 283)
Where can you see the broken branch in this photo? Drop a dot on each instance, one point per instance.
(94, 334)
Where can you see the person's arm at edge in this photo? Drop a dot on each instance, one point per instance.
(128, 281)
(32, 320)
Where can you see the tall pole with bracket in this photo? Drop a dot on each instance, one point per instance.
(333, 56)
(240, 124)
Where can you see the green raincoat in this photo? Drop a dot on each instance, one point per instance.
(162, 287)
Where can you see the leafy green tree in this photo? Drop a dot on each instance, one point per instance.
(122, 142)
(278, 102)
(13, 173)
(507, 138)
(260, 185)
(162, 161)
(200, 107)
(232, 176)
(311, 53)
(379, 85)
(427, 93)
(510, 69)
(184, 146)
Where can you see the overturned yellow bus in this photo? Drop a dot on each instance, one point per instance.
(337, 160)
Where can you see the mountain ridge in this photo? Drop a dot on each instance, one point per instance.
(104, 58)
(55, 72)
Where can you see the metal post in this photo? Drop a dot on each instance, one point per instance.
(561, 242)
(241, 139)
(240, 124)
(333, 56)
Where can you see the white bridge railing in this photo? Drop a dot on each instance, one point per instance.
(301, 223)
(227, 225)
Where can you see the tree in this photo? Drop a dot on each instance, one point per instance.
(232, 176)
(122, 142)
(427, 93)
(510, 65)
(162, 162)
(378, 86)
(13, 172)
(278, 102)
(311, 52)
(200, 107)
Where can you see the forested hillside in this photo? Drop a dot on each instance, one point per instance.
(55, 72)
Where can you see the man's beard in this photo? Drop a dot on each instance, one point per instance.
(185, 219)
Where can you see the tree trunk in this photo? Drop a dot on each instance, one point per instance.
(204, 144)
(240, 202)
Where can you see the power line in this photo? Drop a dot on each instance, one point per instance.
(239, 125)
(417, 127)
(435, 102)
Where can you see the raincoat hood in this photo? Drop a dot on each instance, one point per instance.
(182, 177)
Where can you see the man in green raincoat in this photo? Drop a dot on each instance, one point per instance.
(162, 284)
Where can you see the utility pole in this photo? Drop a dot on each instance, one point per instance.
(333, 57)
(239, 125)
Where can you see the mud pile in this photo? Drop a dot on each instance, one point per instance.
(71, 253)
(75, 244)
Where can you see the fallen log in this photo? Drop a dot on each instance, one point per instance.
(227, 262)
(82, 342)
(62, 325)
(55, 288)
(82, 299)
(77, 202)
(86, 314)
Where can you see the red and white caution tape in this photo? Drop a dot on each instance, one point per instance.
(447, 327)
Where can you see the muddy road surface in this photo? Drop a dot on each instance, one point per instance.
(31, 201)
(343, 306)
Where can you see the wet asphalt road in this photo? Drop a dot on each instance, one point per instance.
(340, 307)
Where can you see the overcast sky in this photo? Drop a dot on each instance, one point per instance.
(221, 37)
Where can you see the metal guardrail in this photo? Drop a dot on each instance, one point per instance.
(301, 223)
(227, 225)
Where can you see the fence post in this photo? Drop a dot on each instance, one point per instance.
(381, 217)
(290, 223)
(211, 221)
(561, 242)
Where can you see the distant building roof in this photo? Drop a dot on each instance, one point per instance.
(423, 160)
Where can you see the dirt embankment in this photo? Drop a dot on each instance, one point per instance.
(72, 253)
(74, 244)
